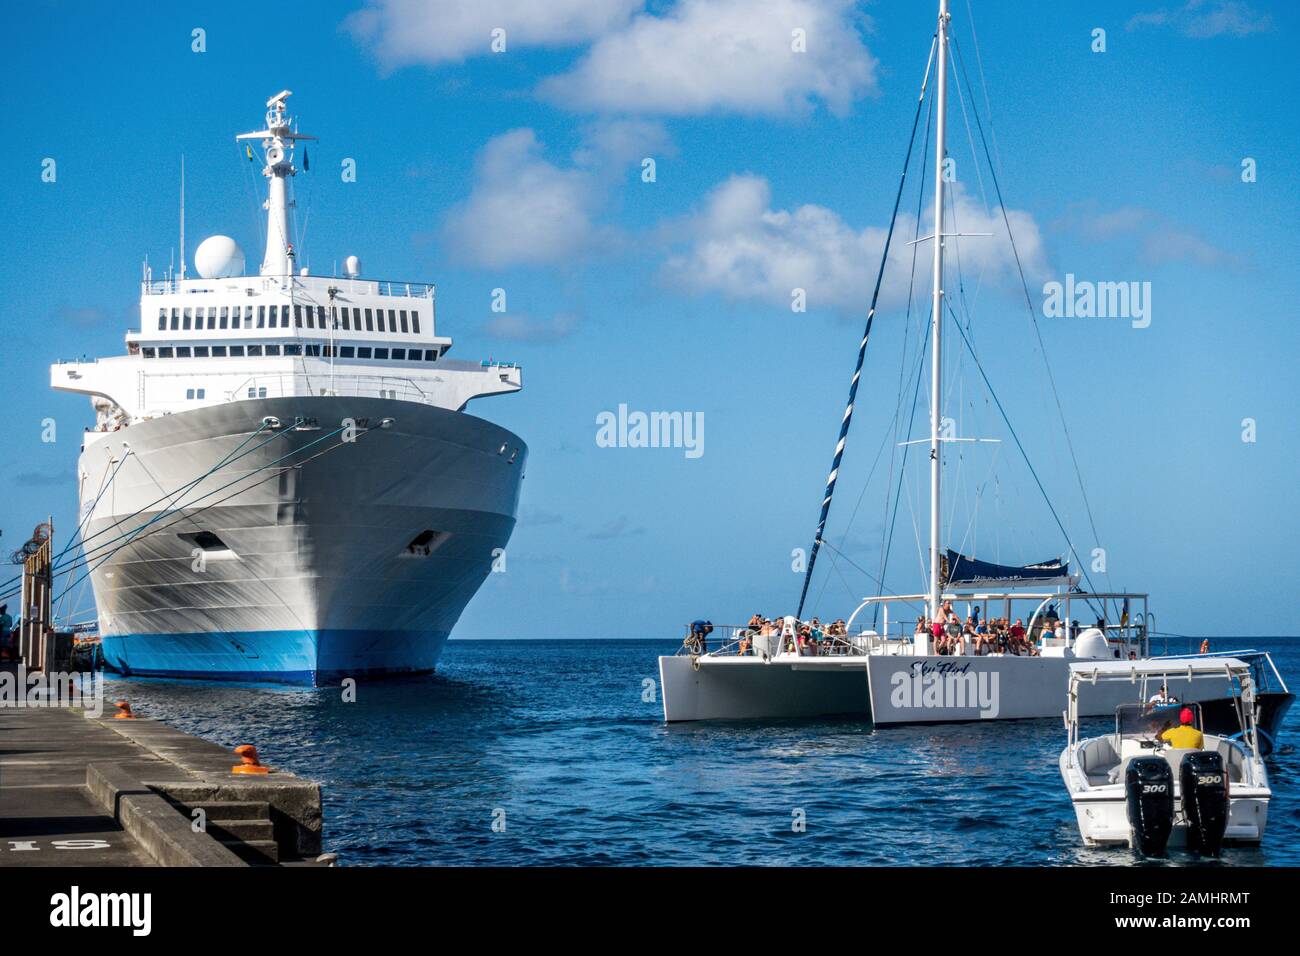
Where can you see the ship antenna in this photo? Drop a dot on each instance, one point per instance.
(182, 215)
(277, 144)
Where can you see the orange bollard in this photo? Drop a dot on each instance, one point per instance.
(123, 711)
(248, 754)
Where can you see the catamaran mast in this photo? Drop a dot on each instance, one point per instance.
(936, 309)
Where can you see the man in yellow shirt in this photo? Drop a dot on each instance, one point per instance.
(1185, 736)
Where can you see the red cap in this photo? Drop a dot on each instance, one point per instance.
(1186, 715)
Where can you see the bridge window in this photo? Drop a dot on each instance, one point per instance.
(284, 317)
(164, 351)
(273, 350)
(261, 316)
(200, 351)
(162, 320)
(212, 316)
(254, 350)
(182, 351)
(297, 316)
(431, 355)
(275, 316)
(236, 351)
(403, 316)
(345, 319)
(176, 319)
(188, 318)
(392, 320)
(415, 322)
(370, 322)
(218, 351)
(320, 316)
(147, 352)
(363, 351)
(293, 348)
(399, 353)
(381, 353)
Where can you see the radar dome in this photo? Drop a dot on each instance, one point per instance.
(219, 257)
(352, 266)
(1092, 644)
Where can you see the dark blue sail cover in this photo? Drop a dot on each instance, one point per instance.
(965, 570)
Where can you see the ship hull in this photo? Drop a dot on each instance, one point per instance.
(226, 549)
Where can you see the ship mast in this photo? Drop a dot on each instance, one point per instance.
(936, 312)
(277, 144)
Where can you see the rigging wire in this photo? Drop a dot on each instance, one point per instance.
(1016, 438)
(959, 62)
(866, 335)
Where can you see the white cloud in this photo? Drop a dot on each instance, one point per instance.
(1154, 237)
(708, 55)
(739, 246)
(518, 327)
(526, 210)
(402, 32)
(522, 209)
(1207, 18)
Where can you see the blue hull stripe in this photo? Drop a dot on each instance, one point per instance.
(293, 657)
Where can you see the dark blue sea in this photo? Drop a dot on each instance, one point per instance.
(554, 739)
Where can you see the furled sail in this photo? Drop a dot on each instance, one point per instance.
(959, 569)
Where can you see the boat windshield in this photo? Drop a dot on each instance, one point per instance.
(1149, 721)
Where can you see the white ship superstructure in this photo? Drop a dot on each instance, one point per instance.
(282, 482)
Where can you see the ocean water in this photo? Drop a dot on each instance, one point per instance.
(552, 742)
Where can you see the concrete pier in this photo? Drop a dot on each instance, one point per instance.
(80, 791)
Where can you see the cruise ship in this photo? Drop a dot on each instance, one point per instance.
(282, 483)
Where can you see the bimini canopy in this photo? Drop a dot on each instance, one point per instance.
(963, 570)
(1161, 667)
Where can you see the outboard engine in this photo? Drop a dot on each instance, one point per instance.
(1205, 800)
(1149, 792)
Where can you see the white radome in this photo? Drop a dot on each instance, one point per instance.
(352, 267)
(219, 257)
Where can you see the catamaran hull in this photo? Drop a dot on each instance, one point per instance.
(290, 562)
(739, 688)
(890, 689)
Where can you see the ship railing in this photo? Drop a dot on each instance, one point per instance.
(737, 640)
(296, 385)
(384, 287)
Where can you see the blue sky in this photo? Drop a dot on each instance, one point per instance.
(521, 170)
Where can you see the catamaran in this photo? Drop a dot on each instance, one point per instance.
(889, 661)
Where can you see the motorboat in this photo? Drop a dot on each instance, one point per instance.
(1158, 780)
